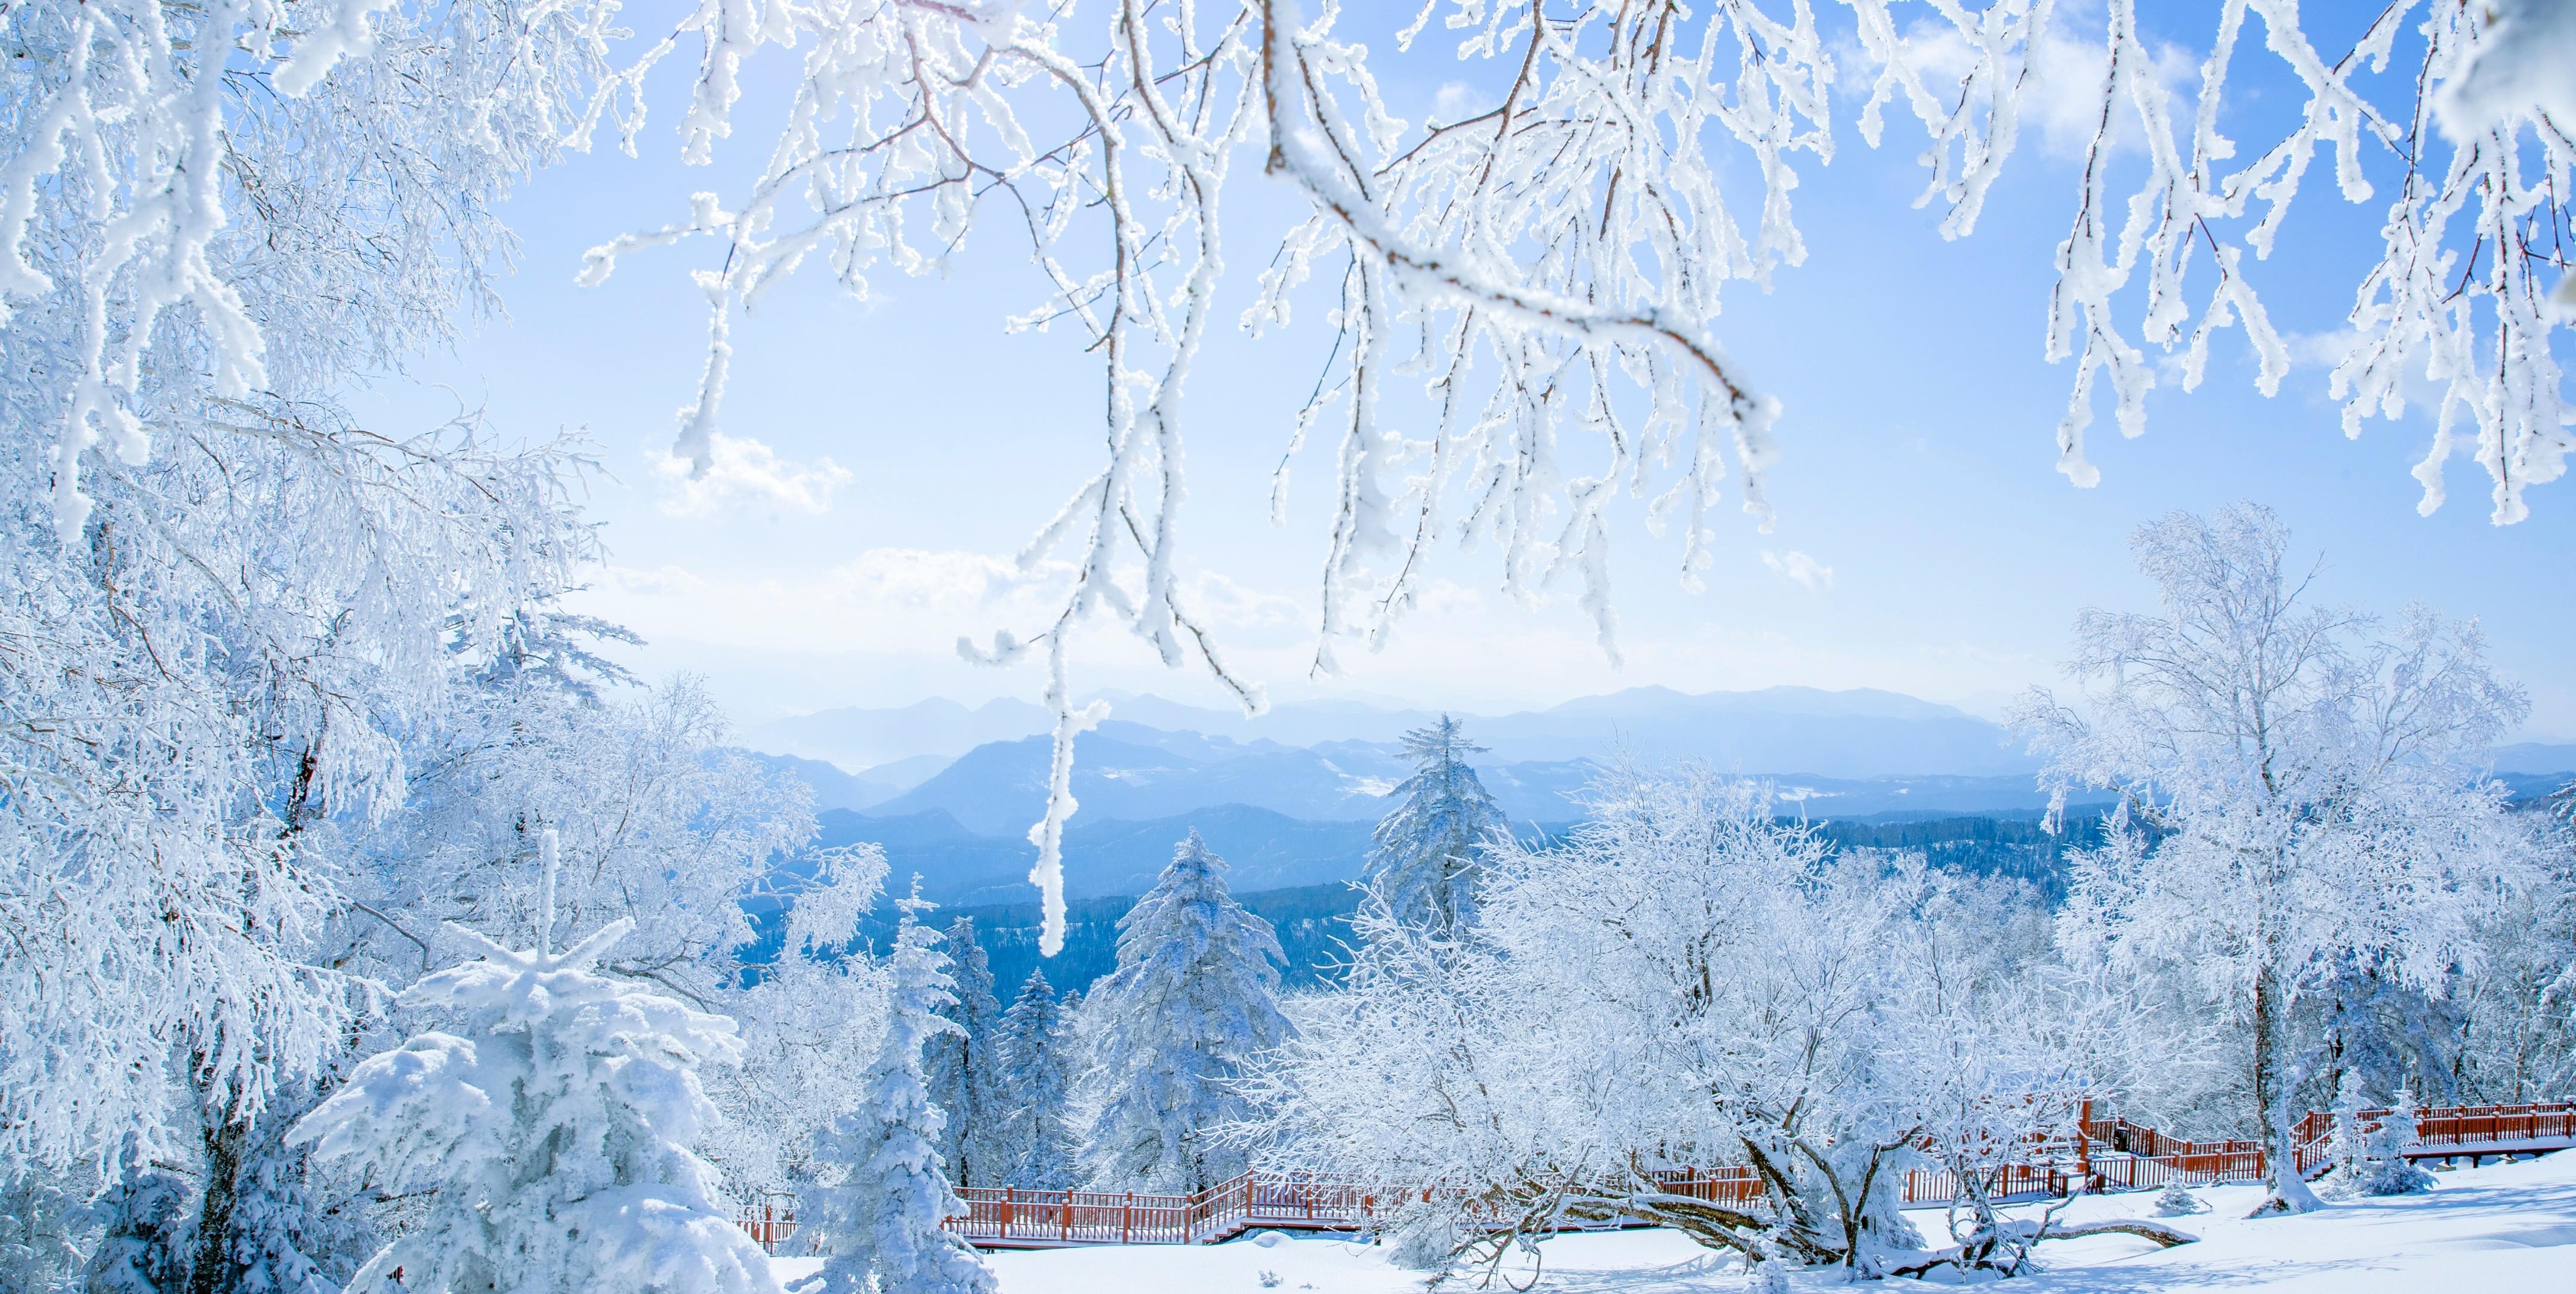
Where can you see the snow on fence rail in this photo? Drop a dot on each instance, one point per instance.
(2112, 1155)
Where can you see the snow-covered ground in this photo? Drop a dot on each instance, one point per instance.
(2504, 1229)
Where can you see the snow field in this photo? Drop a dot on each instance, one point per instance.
(2504, 1229)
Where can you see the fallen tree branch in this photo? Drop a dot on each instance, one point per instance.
(2156, 1231)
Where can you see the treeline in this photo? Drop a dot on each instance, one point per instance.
(1314, 921)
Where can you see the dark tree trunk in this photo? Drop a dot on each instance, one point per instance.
(212, 1271)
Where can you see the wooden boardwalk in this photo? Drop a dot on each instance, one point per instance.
(2111, 1155)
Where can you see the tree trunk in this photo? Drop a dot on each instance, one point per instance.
(211, 1270)
(2285, 1190)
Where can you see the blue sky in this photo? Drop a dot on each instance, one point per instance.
(1924, 543)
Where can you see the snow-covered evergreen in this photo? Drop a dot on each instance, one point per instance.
(1427, 859)
(963, 1069)
(1040, 1143)
(147, 1224)
(554, 1127)
(878, 1190)
(1193, 999)
(2384, 1168)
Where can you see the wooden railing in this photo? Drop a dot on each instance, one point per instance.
(2477, 1125)
(2111, 1155)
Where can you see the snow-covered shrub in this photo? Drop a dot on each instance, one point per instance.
(1192, 1002)
(555, 1128)
(877, 1191)
(2177, 1201)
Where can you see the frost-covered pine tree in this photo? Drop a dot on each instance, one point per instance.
(879, 1192)
(1426, 863)
(963, 1069)
(2384, 1167)
(1039, 1142)
(145, 1223)
(551, 1133)
(2350, 1100)
(1193, 999)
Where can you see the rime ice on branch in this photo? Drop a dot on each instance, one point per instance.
(1553, 262)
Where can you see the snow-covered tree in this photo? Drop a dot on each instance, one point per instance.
(1193, 1000)
(2316, 784)
(223, 598)
(2519, 1011)
(146, 1242)
(45, 1218)
(1685, 983)
(803, 1014)
(659, 823)
(1040, 1144)
(878, 1191)
(964, 1069)
(2352, 1096)
(2383, 1168)
(1425, 864)
(554, 1128)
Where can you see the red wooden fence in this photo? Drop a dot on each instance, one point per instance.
(2112, 1155)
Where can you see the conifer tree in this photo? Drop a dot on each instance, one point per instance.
(881, 1192)
(963, 1070)
(1036, 1052)
(1193, 999)
(551, 1134)
(1425, 866)
(144, 1241)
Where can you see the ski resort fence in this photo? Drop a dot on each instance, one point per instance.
(2109, 1155)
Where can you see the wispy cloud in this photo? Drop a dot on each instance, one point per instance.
(2063, 98)
(1798, 566)
(747, 475)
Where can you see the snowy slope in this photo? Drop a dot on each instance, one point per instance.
(2504, 1229)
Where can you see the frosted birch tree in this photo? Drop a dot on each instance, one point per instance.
(1425, 866)
(1192, 1002)
(2317, 781)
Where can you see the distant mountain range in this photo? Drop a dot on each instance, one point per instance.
(1289, 798)
(1856, 734)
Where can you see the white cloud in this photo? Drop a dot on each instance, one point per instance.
(1456, 101)
(746, 473)
(2063, 97)
(1800, 567)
